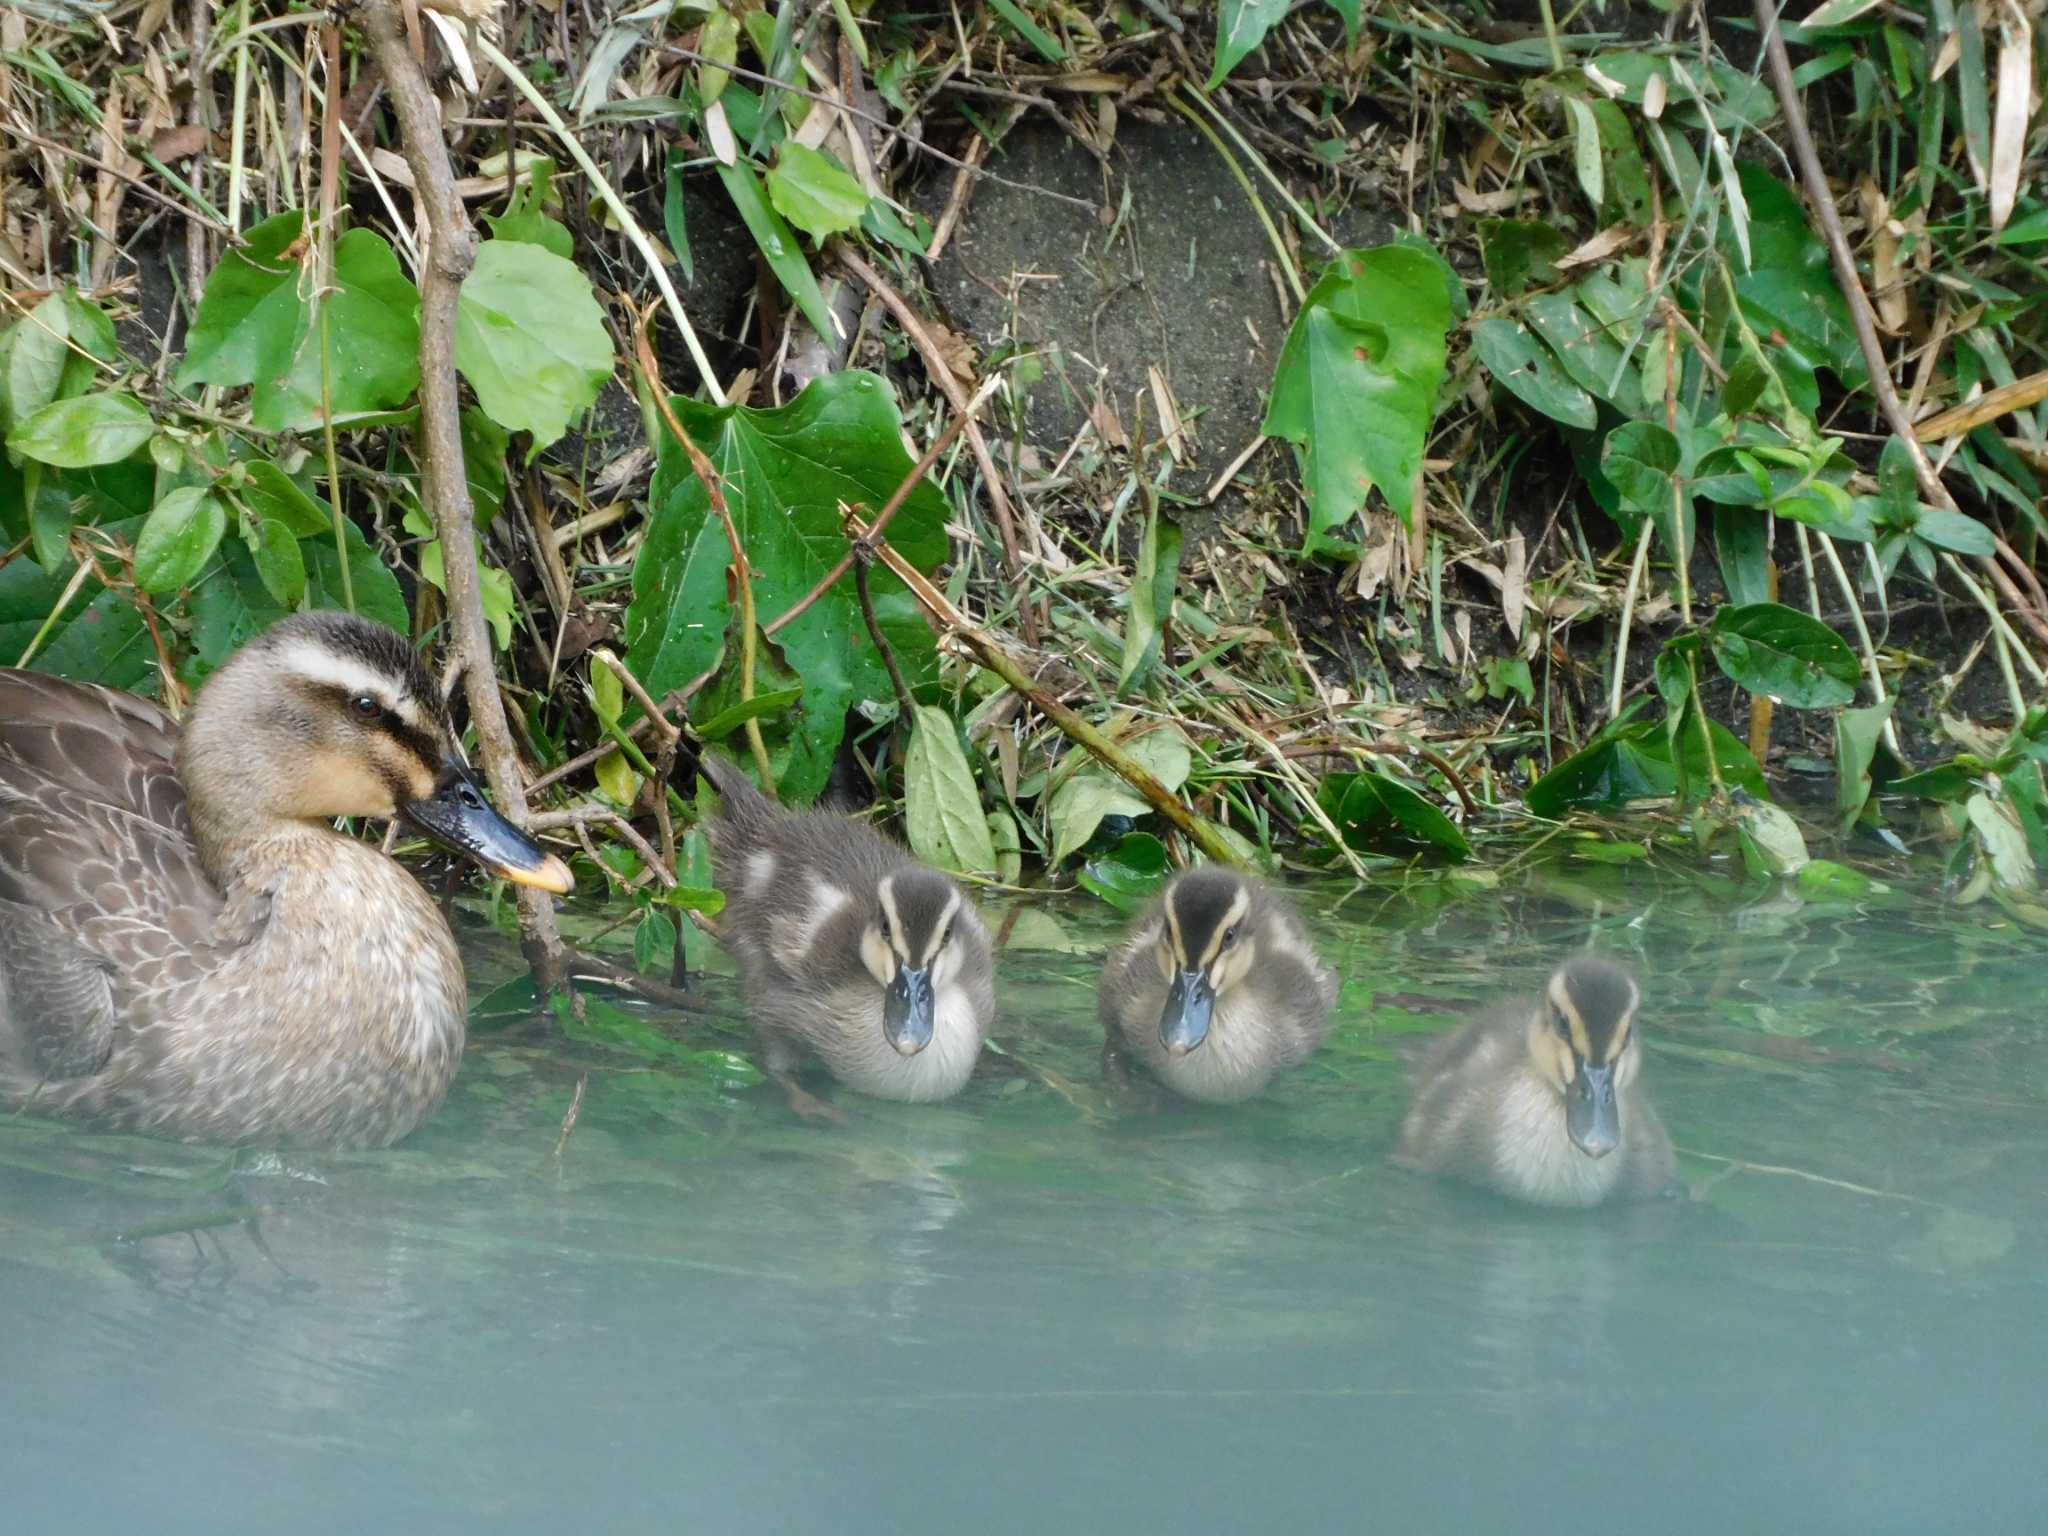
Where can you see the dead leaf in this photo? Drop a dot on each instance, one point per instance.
(2015, 102)
(1514, 590)
(1488, 202)
(179, 143)
(1173, 428)
(1599, 248)
(1103, 418)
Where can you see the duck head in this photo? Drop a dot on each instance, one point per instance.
(327, 715)
(1583, 1042)
(1208, 946)
(912, 946)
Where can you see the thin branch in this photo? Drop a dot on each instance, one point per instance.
(444, 485)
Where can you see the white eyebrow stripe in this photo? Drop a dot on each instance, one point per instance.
(938, 935)
(330, 669)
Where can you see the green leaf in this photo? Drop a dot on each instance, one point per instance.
(1626, 761)
(1151, 597)
(673, 213)
(530, 339)
(230, 605)
(526, 217)
(726, 721)
(719, 42)
(1742, 544)
(268, 492)
(79, 433)
(1241, 25)
(1092, 792)
(2003, 840)
(1518, 252)
(278, 561)
(777, 244)
(96, 637)
(1790, 284)
(1128, 875)
(1531, 373)
(1370, 810)
(2028, 229)
(1356, 386)
(654, 944)
(1955, 531)
(1586, 151)
(812, 192)
(1771, 839)
(941, 805)
(32, 359)
(1047, 46)
(259, 325)
(1642, 460)
(92, 337)
(1784, 654)
(786, 471)
(178, 537)
(1857, 733)
(1583, 344)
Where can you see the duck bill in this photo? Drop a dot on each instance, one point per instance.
(908, 1010)
(460, 819)
(1190, 1001)
(1591, 1116)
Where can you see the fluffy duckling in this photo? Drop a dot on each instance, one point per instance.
(849, 949)
(1544, 1100)
(1217, 989)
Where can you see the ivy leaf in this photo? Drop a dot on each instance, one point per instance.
(941, 805)
(95, 636)
(530, 339)
(278, 561)
(1355, 390)
(77, 434)
(259, 325)
(813, 193)
(177, 539)
(32, 357)
(1787, 655)
(1641, 460)
(526, 217)
(786, 471)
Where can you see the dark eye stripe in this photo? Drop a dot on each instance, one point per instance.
(423, 745)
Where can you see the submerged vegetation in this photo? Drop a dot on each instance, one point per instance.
(1656, 428)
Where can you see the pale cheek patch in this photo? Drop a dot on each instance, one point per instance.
(760, 871)
(877, 957)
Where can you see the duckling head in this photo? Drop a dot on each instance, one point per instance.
(1207, 947)
(1582, 1041)
(912, 945)
(327, 715)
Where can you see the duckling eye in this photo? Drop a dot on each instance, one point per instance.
(885, 930)
(1230, 935)
(366, 706)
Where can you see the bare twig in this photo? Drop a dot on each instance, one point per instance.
(445, 488)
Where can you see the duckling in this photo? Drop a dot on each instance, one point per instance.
(187, 946)
(849, 949)
(1544, 1100)
(1217, 989)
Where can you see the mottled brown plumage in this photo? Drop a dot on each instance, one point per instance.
(1543, 1100)
(187, 947)
(1218, 988)
(850, 950)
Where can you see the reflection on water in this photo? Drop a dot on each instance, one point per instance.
(1039, 1307)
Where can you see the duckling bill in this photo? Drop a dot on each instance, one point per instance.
(187, 946)
(1544, 1100)
(850, 950)
(1217, 989)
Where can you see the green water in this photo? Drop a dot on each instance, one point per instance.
(1038, 1308)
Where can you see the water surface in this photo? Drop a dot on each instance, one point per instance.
(1041, 1307)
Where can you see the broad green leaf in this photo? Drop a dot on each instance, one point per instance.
(777, 244)
(1771, 838)
(1626, 761)
(1077, 806)
(279, 564)
(1531, 373)
(719, 42)
(813, 193)
(1356, 386)
(1955, 531)
(178, 537)
(530, 339)
(1241, 25)
(1782, 653)
(97, 637)
(92, 342)
(1642, 461)
(32, 359)
(76, 434)
(1742, 544)
(1128, 875)
(1790, 285)
(786, 471)
(654, 944)
(1370, 810)
(2003, 840)
(2028, 229)
(268, 492)
(721, 725)
(259, 325)
(230, 605)
(941, 803)
(1583, 344)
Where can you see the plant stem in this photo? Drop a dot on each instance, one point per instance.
(444, 487)
(1628, 608)
(1855, 604)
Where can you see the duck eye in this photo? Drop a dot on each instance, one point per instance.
(366, 706)
(1230, 934)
